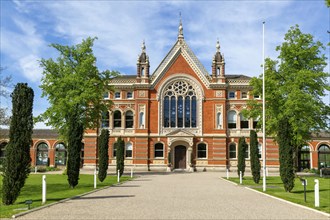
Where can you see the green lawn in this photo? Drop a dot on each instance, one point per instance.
(57, 189)
(275, 188)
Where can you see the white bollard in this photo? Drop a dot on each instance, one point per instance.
(317, 193)
(240, 177)
(321, 173)
(36, 169)
(95, 178)
(132, 172)
(43, 189)
(118, 178)
(227, 174)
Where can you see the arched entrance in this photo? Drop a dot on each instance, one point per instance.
(180, 153)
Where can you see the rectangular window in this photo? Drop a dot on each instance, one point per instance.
(232, 151)
(159, 150)
(247, 152)
(259, 150)
(117, 95)
(129, 150)
(256, 96)
(201, 151)
(231, 95)
(114, 150)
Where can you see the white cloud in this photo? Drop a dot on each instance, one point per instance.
(30, 67)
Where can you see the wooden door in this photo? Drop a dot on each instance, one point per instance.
(180, 157)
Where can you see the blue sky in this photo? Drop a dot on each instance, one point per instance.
(28, 27)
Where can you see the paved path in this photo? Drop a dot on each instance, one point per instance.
(175, 196)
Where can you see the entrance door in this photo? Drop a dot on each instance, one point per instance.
(180, 157)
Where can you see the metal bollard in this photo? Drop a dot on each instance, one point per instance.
(43, 189)
(317, 193)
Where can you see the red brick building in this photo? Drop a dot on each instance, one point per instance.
(180, 117)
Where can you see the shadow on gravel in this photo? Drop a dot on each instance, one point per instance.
(105, 197)
(126, 186)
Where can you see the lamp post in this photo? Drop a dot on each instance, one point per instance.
(263, 110)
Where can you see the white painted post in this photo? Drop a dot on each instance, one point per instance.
(131, 172)
(321, 173)
(118, 180)
(35, 169)
(227, 174)
(43, 189)
(240, 177)
(317, 194)
(95, 178)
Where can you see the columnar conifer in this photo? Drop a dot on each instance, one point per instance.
(254, 159)
(75, 134)
(284, 140)
(120, 157)
(241, 156)
(103, 154)
(17, 161)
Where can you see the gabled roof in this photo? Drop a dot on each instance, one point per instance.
(180, 47)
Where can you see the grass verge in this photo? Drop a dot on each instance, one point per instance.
(57, 189)
(275, 188)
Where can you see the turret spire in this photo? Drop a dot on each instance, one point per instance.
(180, 35)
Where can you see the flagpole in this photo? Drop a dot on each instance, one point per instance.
(263, 109)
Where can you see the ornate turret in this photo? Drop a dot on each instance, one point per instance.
(218, 64)
(143, 63)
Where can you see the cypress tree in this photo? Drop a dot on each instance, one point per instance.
(254, 159)
(75, 134)
(120, 157)
(286, 154)
(17, 160)
(241, 155)
(103, 154)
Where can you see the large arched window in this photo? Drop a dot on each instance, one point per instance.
(304, 158)
(201, 151)
(324, 156)
(105, 120)
(60, 154)
(232, 150)
(117, 119)
(42, 154)
(180, 105)
(159, 150)
(129, 119)
(231, 119)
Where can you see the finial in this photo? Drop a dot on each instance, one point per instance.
(143, 47)
(180, 28)
(218, 46)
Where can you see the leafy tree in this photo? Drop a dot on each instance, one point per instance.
(17, 161)
(73, 85)
(327, 2)
(103, 146)
(120, 156)
(295, 85)
(75, 131)
(241, 155)
(284, 139)
(254, 159)
(5, 83)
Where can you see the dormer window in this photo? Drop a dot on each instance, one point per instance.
(231, 95)
(117, 95)
(129, 95)
(244, 95)
(106, 95)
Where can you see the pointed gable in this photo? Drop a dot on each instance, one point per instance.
(181, 49)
